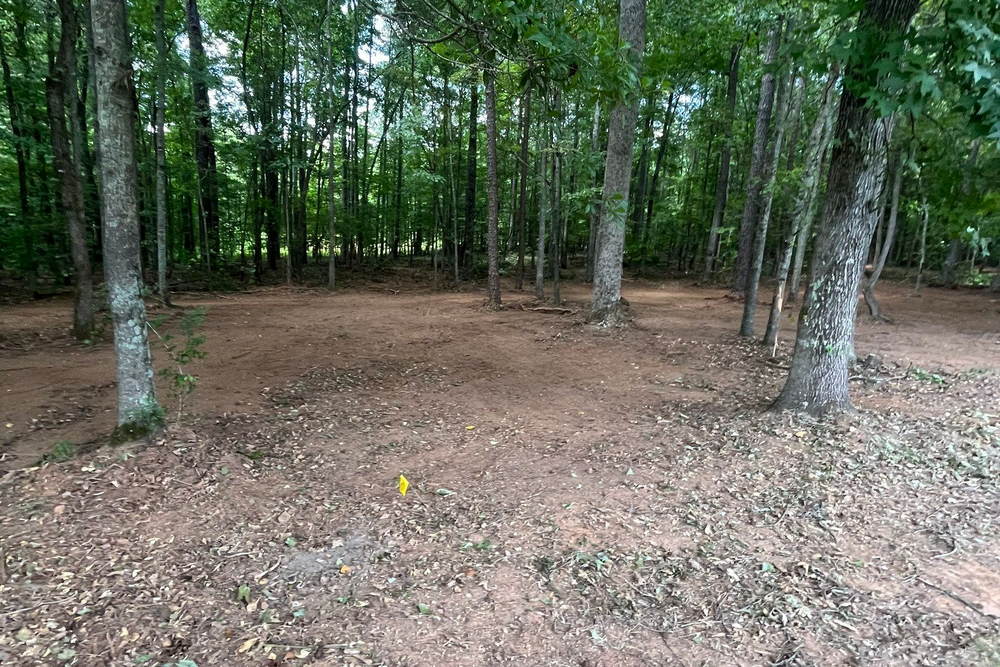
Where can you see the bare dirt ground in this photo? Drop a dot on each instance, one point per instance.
(578, 496)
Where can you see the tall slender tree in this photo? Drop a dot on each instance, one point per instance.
(606, 294)
(60, 95)
(758, 161)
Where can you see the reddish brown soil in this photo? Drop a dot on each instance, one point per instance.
(580, 496)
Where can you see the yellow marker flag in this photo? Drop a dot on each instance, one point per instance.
(403, 485)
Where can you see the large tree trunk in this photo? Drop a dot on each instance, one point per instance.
(137, 408)
(817, 381)
(522, 206)
(204, 141)
(161, 155)
(60, 97)
(606, 295)
(722, 184)
(758, 162)
(492, 196)
(470, 182)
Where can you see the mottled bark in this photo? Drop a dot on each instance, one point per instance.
(725, 160)
(60, 97)
(758, 161)
(817, 381)
(492, 196)
(606, 293)
(120, 214)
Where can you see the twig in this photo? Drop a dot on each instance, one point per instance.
(954, 596)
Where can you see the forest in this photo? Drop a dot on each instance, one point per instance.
(443, 332)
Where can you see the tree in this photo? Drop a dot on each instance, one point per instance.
(817, 379)
(137, 407)
(493, 204)
(606, 294)
(758, 161)
(161, 155)
(204, 139)
(722, 183)
(60, 94)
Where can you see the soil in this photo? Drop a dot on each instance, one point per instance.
(577, 496)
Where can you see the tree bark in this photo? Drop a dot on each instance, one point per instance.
(818, 381)
(331, 264)
(470, 181)
(492, 196)
(606, 294)
(522, 206)
(161, 155)
(17, 130)
(120, 214)
(722, 184)
(890, 232)
(804, 207)
(60, 97)
(204, 140)
(758, 161)
(543, 202)
(594, 216)
(767, 194)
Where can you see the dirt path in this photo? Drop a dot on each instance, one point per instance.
(55, 389)
(581, 497)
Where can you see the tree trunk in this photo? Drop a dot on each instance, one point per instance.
(27, 258)
(817, 381)
(594, 216)
(925, 218)
(522, 206)
(949, 271)
(890, 231)
(758, 161)
(767, 194)
(606, 295)
(470, 181)
(543, 203)
(661, 152)
(60, 97)
(804, 206)
(492, 195)
(137, 407)
(722, 184)
(161, 155)
(331, 264)
(204, 141)
(555, 237)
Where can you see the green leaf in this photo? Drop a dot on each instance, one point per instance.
(424, 608)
